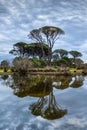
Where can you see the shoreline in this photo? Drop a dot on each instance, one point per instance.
(6, 73)
(47, 73)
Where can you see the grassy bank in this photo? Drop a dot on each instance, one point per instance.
(48, 71)
(5, 73)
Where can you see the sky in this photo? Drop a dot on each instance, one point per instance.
(19, 17)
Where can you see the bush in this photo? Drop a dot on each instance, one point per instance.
(22, 65)
(39, 63)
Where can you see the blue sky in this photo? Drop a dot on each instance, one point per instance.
(19, 17)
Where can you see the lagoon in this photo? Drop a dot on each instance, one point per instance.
(43, 102)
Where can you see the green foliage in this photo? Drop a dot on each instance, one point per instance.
(43, 63)
(68, 61)
(25, 50)
(19, 49)
(39, 63)
(61, 53)
(75, 54)
(5, 65)
(36, 62)
(65, 61)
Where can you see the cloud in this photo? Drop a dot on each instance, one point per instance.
(17, 18)
(81, 123)
(83, 46)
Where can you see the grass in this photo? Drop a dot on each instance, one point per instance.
(75, 70)
(9, 70)
(1, 70)
(51, 70)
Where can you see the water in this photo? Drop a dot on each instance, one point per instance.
(43, 103)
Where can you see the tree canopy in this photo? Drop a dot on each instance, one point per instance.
(41, 49)
(30, 50)
(48, 35)
(61, 53)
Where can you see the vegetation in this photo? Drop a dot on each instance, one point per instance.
(33, 50)
(46, 105)
(40, 54)
(48, 35)
(4, 65)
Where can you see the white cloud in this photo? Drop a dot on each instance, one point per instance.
(83, 46)
(81, 123)
(18, 18)
(4, 49)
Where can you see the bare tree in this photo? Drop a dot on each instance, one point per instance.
(48, 35)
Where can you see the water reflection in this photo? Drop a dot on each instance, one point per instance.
(77, 81)
(62, 82)
(47, 108)
(42, 87)
(35, 86)
(4, 77)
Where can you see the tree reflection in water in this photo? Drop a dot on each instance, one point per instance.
(47, 108)
(77, 81)
(62, 82)
(37, 107)
(52, 109)
(4, 77)
(42, 87)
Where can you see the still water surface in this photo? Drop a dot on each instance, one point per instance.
(43, 103)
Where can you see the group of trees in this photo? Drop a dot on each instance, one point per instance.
(42, 48)
(31, 50)
(44, 38)
(40, 53)
(35, 51)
